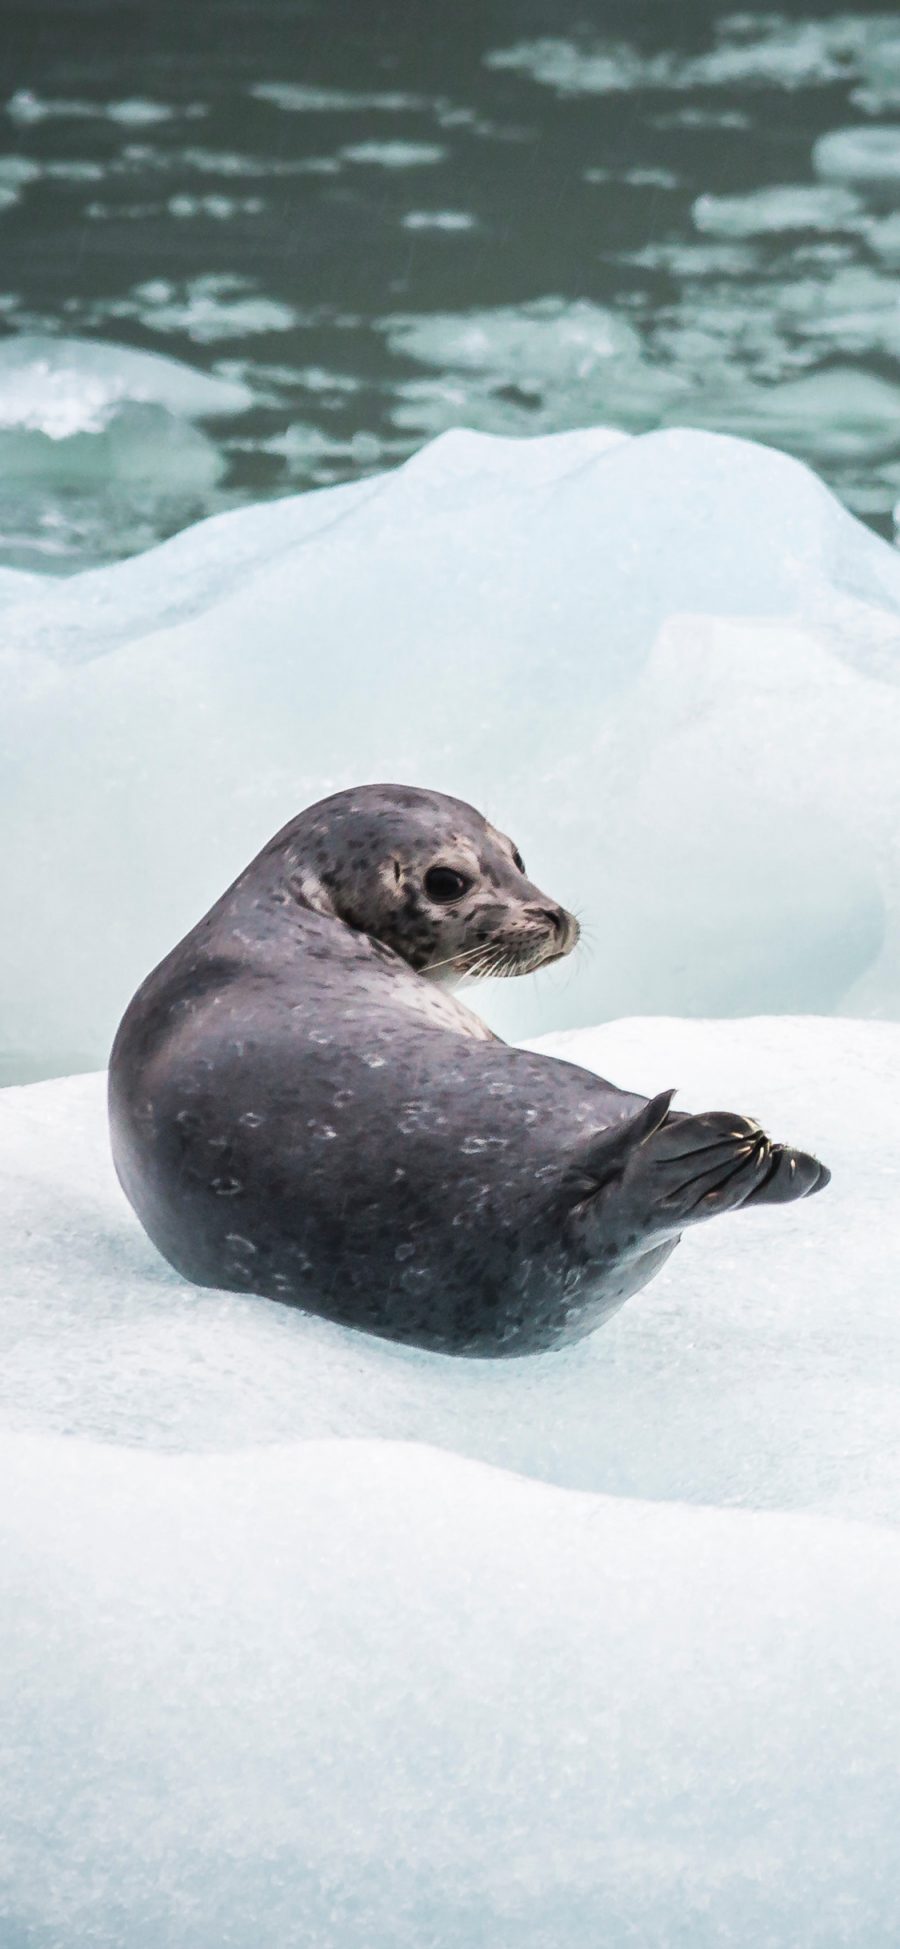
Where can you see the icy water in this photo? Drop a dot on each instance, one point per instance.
(376, 221)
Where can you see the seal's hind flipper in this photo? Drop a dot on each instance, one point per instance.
(694, 1167)
(659, 1171)
(606, 1155)
(791, 1174)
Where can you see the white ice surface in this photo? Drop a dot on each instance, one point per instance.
(668, 665)
(286, 1663)
(691, 1393)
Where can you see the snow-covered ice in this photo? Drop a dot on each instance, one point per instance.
(310, 1640)
(668, 665)
(691, 1392)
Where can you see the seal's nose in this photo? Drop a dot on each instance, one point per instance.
(564, 927)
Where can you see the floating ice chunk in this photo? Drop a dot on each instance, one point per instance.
(883, 234)
(319, 455)
(25, 107)
(668, 665)
(575, 70)
(859, 155)
(15, 173)
(829, 415)
(395, 155)
(442, 220)
(858, 310)
(64, 386)
(520, 353)
(218, 207)
(217, 162)
(879, 65)
(531, 343)
(764, 50)
(135, 444)
(97, 419)
(640, 178)
(794, 206)
(304, 100)
(206, 308)
(138, 113)
(771, 51)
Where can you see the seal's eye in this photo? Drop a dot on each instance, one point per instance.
(444, 883)
(518, 860)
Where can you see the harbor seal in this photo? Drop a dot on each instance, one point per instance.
(301, 1108)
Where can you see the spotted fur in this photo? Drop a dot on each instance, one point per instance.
(301, 1108)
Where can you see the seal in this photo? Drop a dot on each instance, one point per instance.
(302, 1108)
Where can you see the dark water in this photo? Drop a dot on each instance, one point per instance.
(384, 219)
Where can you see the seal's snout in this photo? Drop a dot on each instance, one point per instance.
(563, 928)
(555, 917)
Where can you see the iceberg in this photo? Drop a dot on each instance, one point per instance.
(311, 1638)
(666, 664)
(108, 428)
(65, 386)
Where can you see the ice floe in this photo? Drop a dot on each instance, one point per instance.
(99, 445)
(65, 386)
(307, 1637)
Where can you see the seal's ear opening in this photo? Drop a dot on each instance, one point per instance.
(309, 891)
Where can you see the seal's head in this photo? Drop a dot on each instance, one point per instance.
(427, 876)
